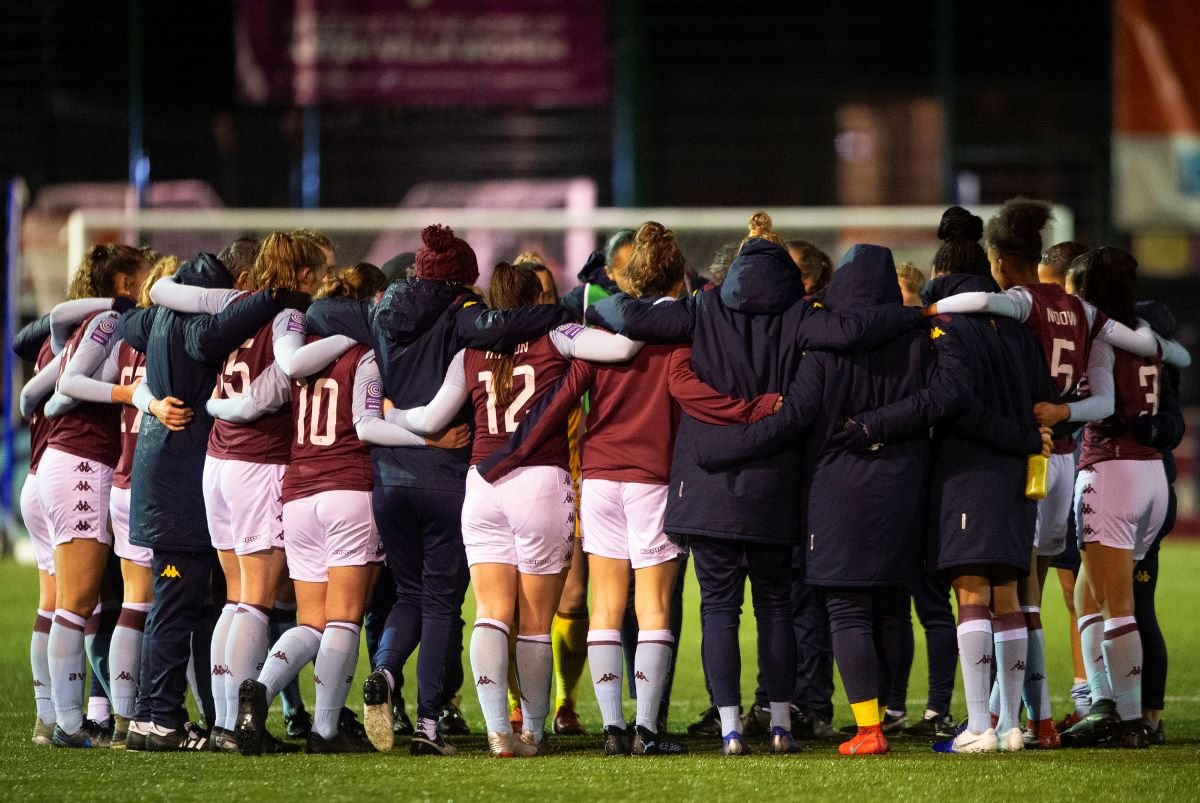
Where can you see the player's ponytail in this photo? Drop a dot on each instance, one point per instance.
(359, 281)
(512, 286)
(1016, 230)
(960, 251)
(96, 276)
(656, 266)
(762, 227)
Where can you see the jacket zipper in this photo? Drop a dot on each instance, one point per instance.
(681, 489)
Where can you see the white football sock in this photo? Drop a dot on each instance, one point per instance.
(1012, 649)
(489, 665)
(651, 663)
(333, 673)
(1091, 637)
(731, 719)
(295, 648)
(606, 662)
(39, 663)
(535, 667)
(245, 651)
(781, 716)
(225, 713)
(1123, 659)
(975, 657)
(125, 657)
(1036, 691)
(64, 649)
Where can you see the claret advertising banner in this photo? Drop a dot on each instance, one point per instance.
(538, 53)
(1156, 109)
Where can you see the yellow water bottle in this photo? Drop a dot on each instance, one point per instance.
(1037, 473)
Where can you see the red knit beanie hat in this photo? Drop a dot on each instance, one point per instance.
(445, 258)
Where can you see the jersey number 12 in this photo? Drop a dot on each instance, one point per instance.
(514, 407)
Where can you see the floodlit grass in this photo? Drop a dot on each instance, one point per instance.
(577, 770)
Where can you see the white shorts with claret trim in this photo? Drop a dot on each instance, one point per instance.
(330, 528)
(118, 513)
(624, 521)
(1121, 504)
(526, 519)
(244, 505)
(37, 525)
(74, 493)
(1053, 512)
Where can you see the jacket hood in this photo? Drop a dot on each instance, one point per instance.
(411, 307)
(865, 277)
(763, 279)
(204, 270)
(593, 272)
(341, 316)
(1159, 316)
(955, 283)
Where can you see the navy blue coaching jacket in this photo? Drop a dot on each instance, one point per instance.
(184, 353)
(747, 338)
(419, 326)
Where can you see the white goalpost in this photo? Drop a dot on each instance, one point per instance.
(566, 235)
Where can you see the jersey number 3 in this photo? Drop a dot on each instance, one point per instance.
(514, 408)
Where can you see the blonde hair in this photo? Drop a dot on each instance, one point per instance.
(910, 277)
(282, 257)
(761, 226)
(359, 281)
(656, 265)
(320, 238)
(163, 266)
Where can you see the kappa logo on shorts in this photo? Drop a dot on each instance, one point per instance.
(1087, 530)
(1087, 489)
(124, 675)
(170, 572)
(654, 550)
(83, 507)
(84, 467)
(281, 655)
(83, 485)
(484, 680)
(82, 527)
(608, 677)
(536, 561)
(1086, 508)
(1018, 666)
(984, 660)
(279, 535)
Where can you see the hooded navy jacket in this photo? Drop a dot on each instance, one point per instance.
(747, 338)
(418, 327)
(184, 353)
(865, 513)
(28, 342)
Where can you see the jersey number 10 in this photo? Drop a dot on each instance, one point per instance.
(324, 392)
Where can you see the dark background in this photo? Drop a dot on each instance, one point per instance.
(726, 104)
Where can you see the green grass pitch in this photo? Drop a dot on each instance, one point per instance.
(577, 770)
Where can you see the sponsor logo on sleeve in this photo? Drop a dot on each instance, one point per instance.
(374, 395)
(570, 330)
(104, 330)
(296, 322)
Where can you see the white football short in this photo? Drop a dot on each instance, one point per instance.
(243, 502)
(624, 521)
(1053, 512)
(36, 523)
(118, 513)
(1121, 504)
(330, 528)
(74, 493)
(526, 519)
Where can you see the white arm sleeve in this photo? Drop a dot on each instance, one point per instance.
(1173, 353)
(317, 355)
(367, 409)
(84, 378)
(39, 386)
(442, 408)
(594, 345)
(1102, 399)
(143, 397)
(288, 331)
(59, 404)
(1141, 343)
(65, 316)
(1016, 302)
(171, 294)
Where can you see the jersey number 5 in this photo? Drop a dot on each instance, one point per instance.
(1059, 368)
(514, 407)
(235, 367)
